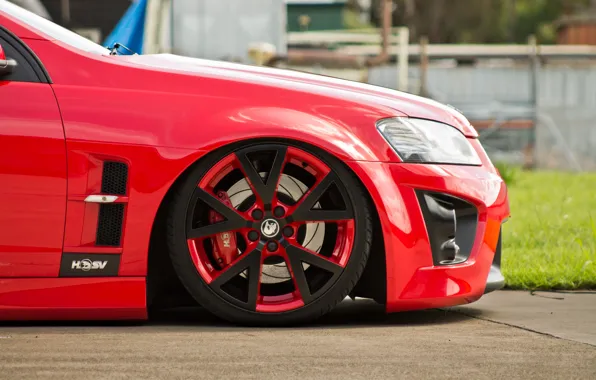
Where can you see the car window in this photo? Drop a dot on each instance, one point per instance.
(24, 72)
(54, 31)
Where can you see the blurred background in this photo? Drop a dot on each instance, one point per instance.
(522, 71)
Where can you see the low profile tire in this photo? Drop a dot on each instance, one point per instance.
(269, 233)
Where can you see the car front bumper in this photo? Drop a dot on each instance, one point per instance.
(421, 273)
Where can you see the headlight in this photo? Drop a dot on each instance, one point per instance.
(425, 141)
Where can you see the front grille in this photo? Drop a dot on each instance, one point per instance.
(114, 178)
(109, 224)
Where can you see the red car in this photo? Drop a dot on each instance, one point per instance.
(134, 182)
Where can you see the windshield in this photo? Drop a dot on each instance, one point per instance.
(53, 31)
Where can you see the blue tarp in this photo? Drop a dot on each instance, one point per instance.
(130, 29)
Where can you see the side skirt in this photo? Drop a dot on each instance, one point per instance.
(96, 298)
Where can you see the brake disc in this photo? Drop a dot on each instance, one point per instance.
(314, 233)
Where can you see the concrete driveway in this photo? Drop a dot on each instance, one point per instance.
(356, 341)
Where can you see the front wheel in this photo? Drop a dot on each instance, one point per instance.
(270, 233)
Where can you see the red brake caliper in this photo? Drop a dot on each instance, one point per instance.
(224, 244)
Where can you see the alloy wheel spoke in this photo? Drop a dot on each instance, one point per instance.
(304, 212)
(233, 220)
(212, 229)
(264, 189)
(252, 262)
(312, 258)
(297, 256)
(297, 271)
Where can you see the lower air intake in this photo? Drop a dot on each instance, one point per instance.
(451, 224)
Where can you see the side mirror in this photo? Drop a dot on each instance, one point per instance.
(7, 65)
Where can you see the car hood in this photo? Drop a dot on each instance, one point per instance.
(404, 103)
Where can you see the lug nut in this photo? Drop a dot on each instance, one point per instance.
(279, 212)
(253, 235)
(257, 214)
(272, 246)
(288, 231)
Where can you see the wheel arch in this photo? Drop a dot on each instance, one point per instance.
(163, 285)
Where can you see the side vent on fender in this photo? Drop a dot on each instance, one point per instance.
(111, 215)
(109, 224)
(114, 178)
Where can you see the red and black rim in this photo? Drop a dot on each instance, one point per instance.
(270, 228)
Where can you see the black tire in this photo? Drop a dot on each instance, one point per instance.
(210, 300)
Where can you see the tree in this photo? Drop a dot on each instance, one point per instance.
(480, 21)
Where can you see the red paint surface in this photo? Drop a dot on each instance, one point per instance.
(412, 280)
(160, 115)
(32, 181)
(72, 298)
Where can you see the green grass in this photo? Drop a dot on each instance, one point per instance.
(550, 240)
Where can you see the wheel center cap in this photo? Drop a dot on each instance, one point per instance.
(270, 228)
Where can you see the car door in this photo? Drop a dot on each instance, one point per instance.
(32, 166)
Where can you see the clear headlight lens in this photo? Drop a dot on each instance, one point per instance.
(426, 141)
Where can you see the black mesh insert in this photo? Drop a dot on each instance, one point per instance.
(114, 178)
(109, 224)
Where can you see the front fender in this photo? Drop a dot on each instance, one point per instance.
(344, 142)
(205, 123)
(110, 102)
